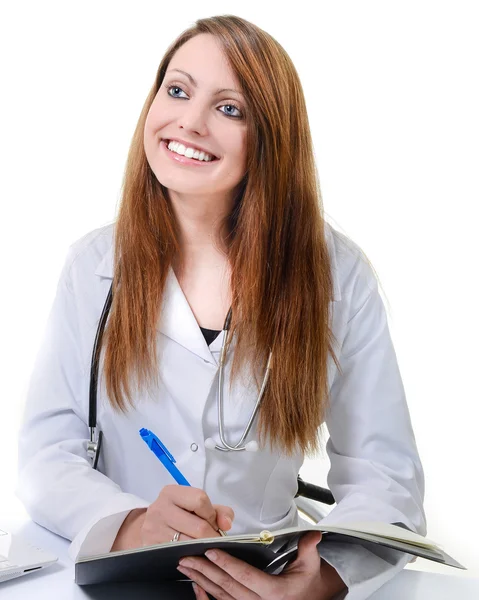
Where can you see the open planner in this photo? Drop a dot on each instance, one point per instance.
(266, 550)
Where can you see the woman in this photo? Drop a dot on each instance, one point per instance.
(240, 226)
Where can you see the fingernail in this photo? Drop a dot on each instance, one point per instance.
(183, 570)
(211, 554)
(228, 520)
(195, 588)
(185, 562)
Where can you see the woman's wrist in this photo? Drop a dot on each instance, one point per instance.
(129, 534)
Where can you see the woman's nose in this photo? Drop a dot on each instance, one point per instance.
(194, 118)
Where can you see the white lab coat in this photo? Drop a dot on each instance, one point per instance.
(375, 474)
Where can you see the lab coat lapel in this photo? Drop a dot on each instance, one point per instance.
(177, 320)
(215, 346)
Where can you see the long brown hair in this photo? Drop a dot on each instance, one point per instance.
(281, 279)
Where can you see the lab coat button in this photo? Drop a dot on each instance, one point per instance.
(194, 447)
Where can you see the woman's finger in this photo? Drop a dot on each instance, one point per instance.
(183, 537)
(190, 524)
(214, 581)
(234, 576)
(193, 500)
(227, 511)
(224, 516)
(199, 592)
(308, 558)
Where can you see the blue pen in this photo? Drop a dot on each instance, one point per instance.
(160, 450)
(155, 445)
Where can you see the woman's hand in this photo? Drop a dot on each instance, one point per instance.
(228, 578)
(178, 508)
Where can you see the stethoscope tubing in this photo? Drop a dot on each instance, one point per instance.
(225, 447)
(94, 446)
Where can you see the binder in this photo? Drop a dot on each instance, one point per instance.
(269, 551)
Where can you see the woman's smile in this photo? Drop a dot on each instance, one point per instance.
(185, 160)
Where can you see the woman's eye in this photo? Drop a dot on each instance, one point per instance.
(173, 87)
(231, 107)
(234, 107)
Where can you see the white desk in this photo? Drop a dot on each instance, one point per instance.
(57, 581)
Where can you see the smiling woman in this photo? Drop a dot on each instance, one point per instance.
(191, 109)
(242, 236)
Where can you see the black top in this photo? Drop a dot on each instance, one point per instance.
(210, 334)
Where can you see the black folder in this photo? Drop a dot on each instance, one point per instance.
(268, 551)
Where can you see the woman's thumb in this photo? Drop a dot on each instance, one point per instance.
(307, 551)
(224, 516)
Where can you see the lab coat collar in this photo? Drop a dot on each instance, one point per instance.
(178, 321)
(105, 267)
(328, 231)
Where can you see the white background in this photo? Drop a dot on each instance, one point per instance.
(392, 96)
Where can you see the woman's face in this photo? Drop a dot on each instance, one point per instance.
(201, 117)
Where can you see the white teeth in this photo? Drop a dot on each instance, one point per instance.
(189, 152)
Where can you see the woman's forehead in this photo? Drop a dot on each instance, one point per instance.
(214, 73)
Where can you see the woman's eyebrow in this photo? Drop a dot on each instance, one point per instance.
(193, 82)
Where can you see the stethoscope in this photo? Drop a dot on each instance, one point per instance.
(95, 443)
